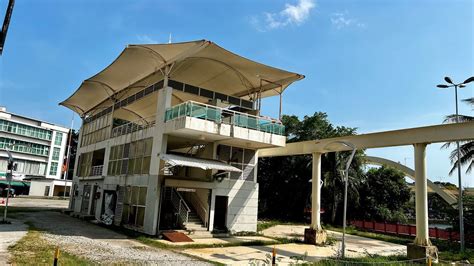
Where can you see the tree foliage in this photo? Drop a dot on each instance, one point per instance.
(466, 148)
(285, 190)
(385, 194)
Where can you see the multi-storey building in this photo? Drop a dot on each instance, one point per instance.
(38, 152)
(170, 138)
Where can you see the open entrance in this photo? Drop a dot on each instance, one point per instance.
(185, 208)
(220, 212)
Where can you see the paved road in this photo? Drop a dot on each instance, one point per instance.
(37, 203)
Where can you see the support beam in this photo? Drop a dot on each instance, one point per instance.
(421, 196)
(422, 247)
(401, 137)
(316, 193)
(315, 234)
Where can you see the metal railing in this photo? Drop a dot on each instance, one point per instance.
(97, 170)
(221, 115)
(182, 209)
(131, 127)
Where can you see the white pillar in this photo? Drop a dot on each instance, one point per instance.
(211, 210)
(421, 196)
(316, 193)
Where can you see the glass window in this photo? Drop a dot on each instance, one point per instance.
(56, 153)
(58, 139)
(53, 170)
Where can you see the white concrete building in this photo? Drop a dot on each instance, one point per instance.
(39, 155)
(170, 136)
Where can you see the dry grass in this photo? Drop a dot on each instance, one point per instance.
(32, 249)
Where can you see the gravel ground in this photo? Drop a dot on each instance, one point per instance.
(101, 245)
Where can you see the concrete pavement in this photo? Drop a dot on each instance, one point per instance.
(289, 253)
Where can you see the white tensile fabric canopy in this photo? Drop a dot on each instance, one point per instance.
(198, 63)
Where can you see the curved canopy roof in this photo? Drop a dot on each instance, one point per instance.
(200, 63)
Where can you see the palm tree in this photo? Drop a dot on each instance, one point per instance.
(466, 147)
(333, 179)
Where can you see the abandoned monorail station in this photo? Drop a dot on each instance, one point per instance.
(172, 133)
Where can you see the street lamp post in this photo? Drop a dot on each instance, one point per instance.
(11, 168)
(346, 181)
(460, 200)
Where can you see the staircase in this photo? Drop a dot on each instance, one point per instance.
(194, 226)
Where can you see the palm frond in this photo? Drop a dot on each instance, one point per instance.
(469, 100)
(462, 119)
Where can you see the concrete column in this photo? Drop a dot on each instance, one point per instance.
(211, 210)
(315, 234)
(421, 196)
(160, 141)
(316, 193)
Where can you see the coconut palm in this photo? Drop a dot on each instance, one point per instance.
(466, 148)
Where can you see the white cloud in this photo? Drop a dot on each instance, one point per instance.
(341, 20)
(295, 14)
(146, 39)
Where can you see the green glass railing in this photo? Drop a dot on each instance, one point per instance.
(218, 115)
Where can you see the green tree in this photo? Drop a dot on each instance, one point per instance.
(384, 195)
(284, 181)
(466, 147)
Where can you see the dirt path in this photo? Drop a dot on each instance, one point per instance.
(99, 244)
(9, 235)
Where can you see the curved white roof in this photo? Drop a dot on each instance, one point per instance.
(200, 63)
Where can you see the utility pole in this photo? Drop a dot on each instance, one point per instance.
(6, 23)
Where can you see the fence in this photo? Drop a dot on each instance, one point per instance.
(406, 230)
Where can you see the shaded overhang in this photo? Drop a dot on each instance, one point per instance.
(205, 164)
(199, 63)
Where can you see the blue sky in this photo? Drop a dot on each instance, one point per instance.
(370, 64)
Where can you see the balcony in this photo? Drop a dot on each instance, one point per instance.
(97, 170)
(214, 123)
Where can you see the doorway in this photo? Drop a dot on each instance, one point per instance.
(220, 212)
(86, 195)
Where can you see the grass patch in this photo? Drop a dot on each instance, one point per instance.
(13, 211)
(154, 243)
(374, 260)
(265, 224)
(448, 251)
(34, 250)
(401, 240)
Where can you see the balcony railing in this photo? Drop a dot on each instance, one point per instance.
(220, 115)
(97, 170)
(131, 127)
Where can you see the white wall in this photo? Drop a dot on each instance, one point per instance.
(37, 187)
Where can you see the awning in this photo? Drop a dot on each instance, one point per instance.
(205, 164)
(199, 63)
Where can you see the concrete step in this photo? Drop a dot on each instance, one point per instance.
(196, 227)
(197, 234)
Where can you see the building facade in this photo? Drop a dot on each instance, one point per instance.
(38, 151)
(170, 138)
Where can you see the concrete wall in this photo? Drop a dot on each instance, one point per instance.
(37, 187)
(242, 206)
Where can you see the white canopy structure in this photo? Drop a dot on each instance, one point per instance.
(205, 164)
(199, 63)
